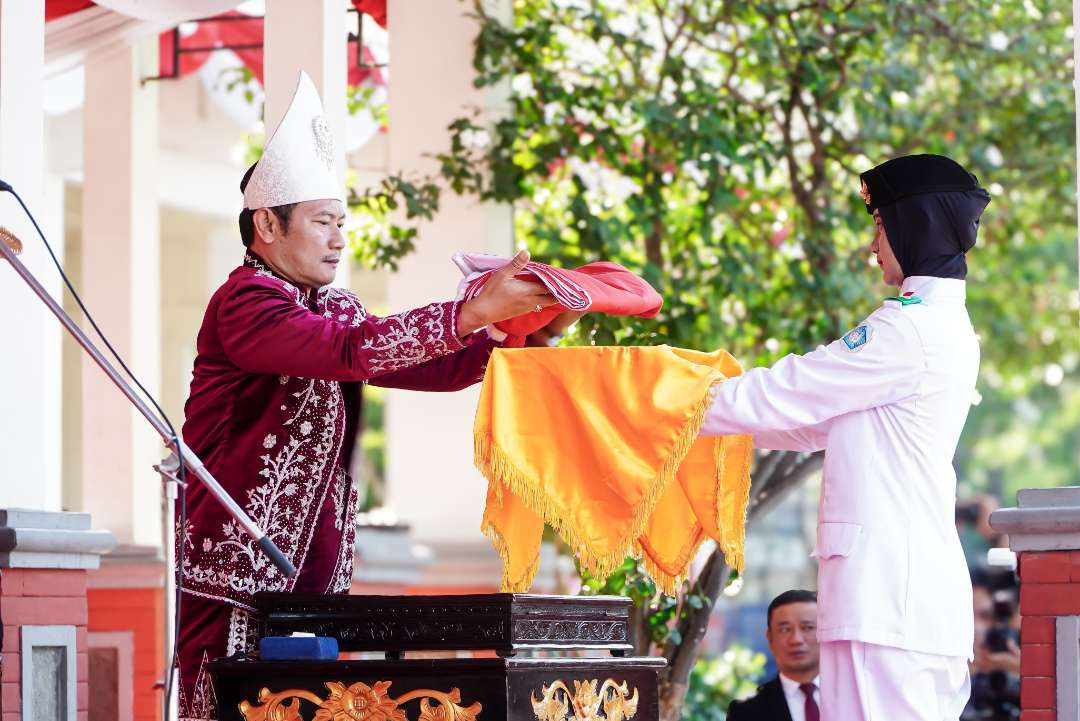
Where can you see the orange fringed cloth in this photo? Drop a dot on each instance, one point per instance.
(601, 443)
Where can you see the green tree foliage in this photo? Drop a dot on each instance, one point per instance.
(716, 682)
(714, 146)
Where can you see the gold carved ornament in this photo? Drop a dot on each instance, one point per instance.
(585, 703)
(358, 702)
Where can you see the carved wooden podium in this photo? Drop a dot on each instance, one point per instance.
(522, 682)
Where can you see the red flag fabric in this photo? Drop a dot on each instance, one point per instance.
(375, 8)
(55, 9)
(246, 32)
(601, 287)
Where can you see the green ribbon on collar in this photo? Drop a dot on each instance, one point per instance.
(906, 299)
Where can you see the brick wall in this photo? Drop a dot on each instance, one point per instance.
(38, 597)
(1049, 587)
(141, 611)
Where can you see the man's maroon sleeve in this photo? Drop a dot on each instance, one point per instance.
(265, 328)
(447, 373)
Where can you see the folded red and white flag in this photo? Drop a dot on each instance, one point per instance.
(600, 287)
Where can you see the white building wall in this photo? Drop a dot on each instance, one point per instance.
(431, 482)
(121, 286)
(30, 450)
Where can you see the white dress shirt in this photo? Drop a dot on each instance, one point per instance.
(887, 403)
(796, 699)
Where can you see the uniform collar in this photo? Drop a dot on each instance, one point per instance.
(935, 289)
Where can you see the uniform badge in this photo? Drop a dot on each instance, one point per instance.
(857, 338)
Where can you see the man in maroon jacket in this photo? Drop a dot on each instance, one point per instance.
(276, 387)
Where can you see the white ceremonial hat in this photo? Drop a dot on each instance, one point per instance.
(297, 163)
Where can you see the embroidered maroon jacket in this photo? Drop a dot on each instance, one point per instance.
(273, 409)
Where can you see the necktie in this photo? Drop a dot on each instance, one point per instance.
(811, 705)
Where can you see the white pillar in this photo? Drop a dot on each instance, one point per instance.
(52, 360)
(121, 285)
(311, 36)
(30, 433)
(430, 476)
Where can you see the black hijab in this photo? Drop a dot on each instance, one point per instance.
(930, 207)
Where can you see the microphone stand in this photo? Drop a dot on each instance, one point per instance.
(171, 485)
(9, 246)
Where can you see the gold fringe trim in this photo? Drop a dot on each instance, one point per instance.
(667, 580)
(667, 583)
(510, 585)
(498, 468)
(733, 542)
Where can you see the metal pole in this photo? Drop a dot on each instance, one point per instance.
(170, 483)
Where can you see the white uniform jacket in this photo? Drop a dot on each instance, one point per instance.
(887, 403)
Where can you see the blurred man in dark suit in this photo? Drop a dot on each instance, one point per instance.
(791, 629)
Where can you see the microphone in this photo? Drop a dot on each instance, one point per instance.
(9, 239)
(6, 235)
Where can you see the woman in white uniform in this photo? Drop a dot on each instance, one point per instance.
(887, 403)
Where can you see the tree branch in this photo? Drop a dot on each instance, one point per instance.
(789, 481)
(787, 471)
(682, 656)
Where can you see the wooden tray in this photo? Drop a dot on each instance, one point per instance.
(503, 622)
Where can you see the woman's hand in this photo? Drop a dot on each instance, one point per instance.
(549, 335)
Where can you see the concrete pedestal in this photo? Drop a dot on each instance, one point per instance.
(44, 663)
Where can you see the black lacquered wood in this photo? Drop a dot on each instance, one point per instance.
(504, 688)
(503, 622)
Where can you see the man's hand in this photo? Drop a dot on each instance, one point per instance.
(987, 660)
(503, 297)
